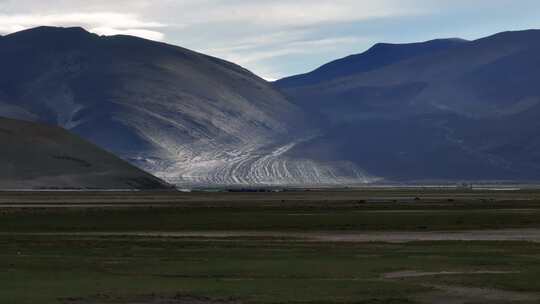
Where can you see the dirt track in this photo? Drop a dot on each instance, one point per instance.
(530, 235)
(148, 299)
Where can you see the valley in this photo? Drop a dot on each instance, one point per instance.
(269, 152)
(336, 246)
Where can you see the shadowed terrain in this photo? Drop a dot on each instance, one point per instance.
(36, 156)
(438, 110)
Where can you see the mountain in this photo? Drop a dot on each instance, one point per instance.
(441, 110)
(438, 110)
(35, 156)
(181, 115)
(380, 55)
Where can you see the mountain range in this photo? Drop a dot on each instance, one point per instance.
(441, 110)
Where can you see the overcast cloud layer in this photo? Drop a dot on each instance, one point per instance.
(276, 38)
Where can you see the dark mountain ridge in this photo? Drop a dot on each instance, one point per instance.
(381, 54)
(467, 111)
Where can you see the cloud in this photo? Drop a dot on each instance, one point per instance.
(147, 34)
(253, 53)
(268, 39)
(105, 23)
(285, 13)
(253, 33)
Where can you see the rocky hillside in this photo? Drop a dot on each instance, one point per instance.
(184, 116)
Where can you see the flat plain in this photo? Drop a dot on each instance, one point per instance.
(319, 246)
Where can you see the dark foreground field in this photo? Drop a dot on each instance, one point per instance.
(371, 246)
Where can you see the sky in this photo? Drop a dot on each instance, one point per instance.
(277, 38)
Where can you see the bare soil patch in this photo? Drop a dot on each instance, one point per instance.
(416, 274)
(461, 295)
(530, 235)
(148, 299)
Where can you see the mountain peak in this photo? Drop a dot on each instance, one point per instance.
(427, 43)
(51, 32)
(379, 55)
(531, 35)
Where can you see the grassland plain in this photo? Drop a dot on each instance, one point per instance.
(139, 248)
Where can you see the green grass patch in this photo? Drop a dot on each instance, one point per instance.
(261, 219)
(46, 269)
